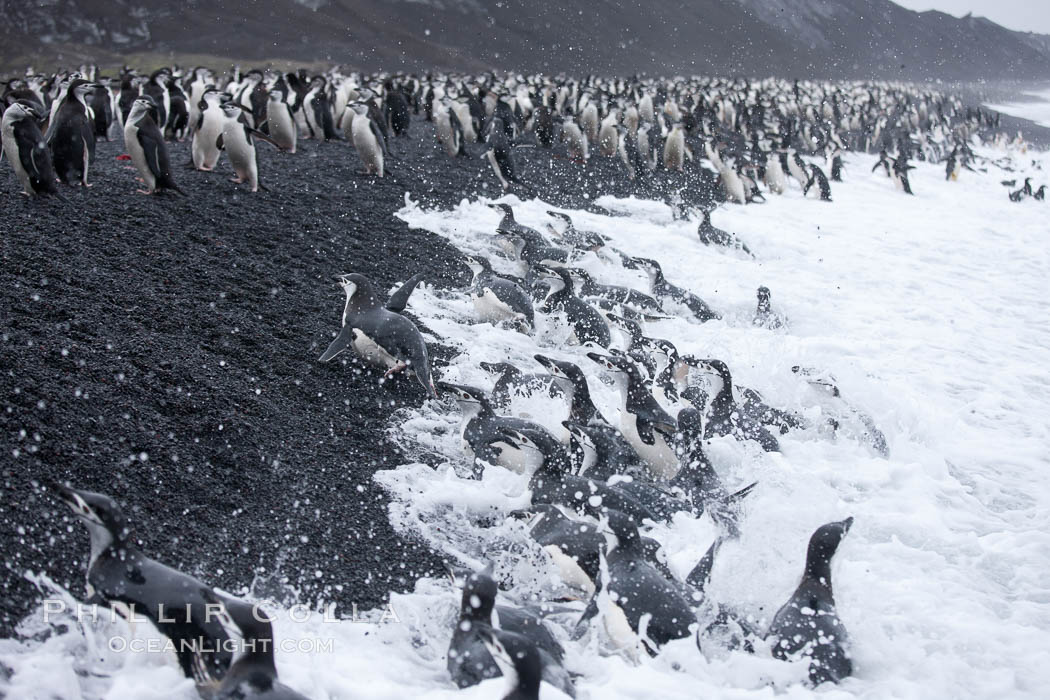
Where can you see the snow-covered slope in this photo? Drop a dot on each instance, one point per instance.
(930, 311)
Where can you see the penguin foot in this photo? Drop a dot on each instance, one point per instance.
(144, 191)
(400, 367)
(237, 180)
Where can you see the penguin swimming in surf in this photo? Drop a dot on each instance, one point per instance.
(252, 674)
(469, 662)
(808, 625)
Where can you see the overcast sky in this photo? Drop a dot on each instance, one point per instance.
(1023, 15)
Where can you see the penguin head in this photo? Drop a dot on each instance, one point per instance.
(82, 89)
(557, 368)
(232, 110)
(21, 110)
(556, 278)
(620, 531)
(579, 435)
(614, 364)
(503, 208)
(716, 371)
(143, 104)
(823, 544)
(479, 596)
(357, 287)
(463, 395)
(100, 514)
(359, 108)
(276, 95)
(499, 368)
(477, 263)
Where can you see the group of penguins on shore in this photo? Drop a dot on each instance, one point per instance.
(595, 487)
(751, 136)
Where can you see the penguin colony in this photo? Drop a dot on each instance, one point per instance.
(696, 142)
(596, 486)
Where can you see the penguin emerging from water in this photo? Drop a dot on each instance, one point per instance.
(367, 139)
(644, 423)
(725, 416)
(252, 674)
(712, 235)
(484, 433)
(520, 663)
(581, 240)
(663, 289)
(765, 317)
(698, 479)
(470, 662)
(497, 299)
(500, 154)
(71, 134)
(26, 151)
(587, 324)
(553, 481)
(379, 336)
(900, 173)
(808, 625)
(639, 600)
(124, 579)
(145, 144)
(817, 176)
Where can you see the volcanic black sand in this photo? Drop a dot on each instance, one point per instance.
(164, 350)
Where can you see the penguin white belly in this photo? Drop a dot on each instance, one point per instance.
(366, 145)
(371, 351)
(659, 456)
(138, 156)
(205, 151)
(444, 130)
(734, 186)
(282, 126)
(569, 570)
(11, 152)
(241, 153)
(491, 309)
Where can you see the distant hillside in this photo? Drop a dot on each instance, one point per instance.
(817, 38)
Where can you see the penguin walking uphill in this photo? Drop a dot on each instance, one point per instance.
(145, 144)
(24, 147)
(239, 141)
(71, 134)
(124, 579)
(380, 336)
(808, 625)
(367, 139)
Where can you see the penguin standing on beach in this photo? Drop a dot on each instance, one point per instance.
(238, 139)
(206, 143)
(280, 121)
(367, 139)
(25, 148)
(145, 144)
(71, 134)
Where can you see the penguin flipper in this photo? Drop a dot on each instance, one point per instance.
(341, 342)
(399, 299)
(700, 576)
(589, 612)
